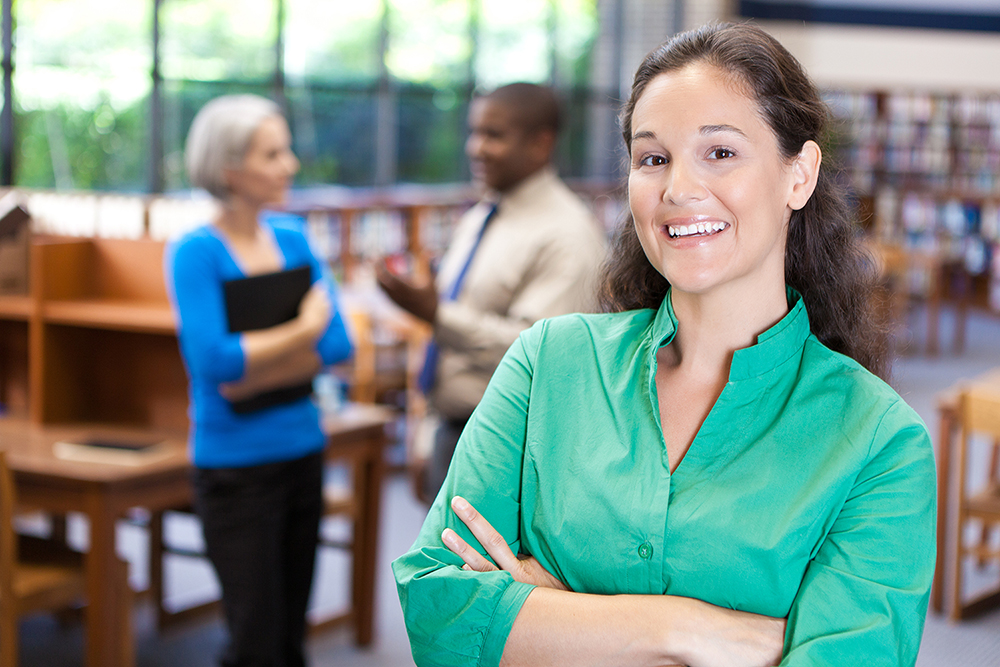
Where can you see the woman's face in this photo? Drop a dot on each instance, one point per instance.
(709, 192)
(268, 166)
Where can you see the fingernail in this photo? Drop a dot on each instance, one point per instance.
(459, 503)
(448, 536)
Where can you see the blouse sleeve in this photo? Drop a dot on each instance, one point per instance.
(460, 618)
(335, 343)
(195, 286)
(864, 595)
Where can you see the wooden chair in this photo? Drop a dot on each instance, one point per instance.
(35, 574)
(978, 415)
(378, 367)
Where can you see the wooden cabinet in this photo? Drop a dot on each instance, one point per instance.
(94, 341)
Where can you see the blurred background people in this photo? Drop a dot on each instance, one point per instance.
(528, 250)
(258, 473)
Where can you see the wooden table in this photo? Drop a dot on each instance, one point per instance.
(947, 408)
(357, 434)
(104, 492)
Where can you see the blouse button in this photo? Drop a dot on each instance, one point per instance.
(645, 550)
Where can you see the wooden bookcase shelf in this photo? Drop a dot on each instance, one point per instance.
(112, 315)
(15, 307)
(94, 340)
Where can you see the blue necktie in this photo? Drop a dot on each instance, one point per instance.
(429, 372)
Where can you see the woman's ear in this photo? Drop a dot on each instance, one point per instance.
(229, 178)
(805, 171)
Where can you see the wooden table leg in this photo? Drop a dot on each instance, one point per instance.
(366, 544)
(962, 311)
(934, 310)
(109, 622)
(156, 566)
(946, 427)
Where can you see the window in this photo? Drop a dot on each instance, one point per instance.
(81, 88)
(376, 91)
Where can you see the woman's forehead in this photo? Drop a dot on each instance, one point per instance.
(700, 91)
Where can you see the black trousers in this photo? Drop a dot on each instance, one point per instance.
(261, 527)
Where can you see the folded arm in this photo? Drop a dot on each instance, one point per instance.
(556, 626)
(283, 355)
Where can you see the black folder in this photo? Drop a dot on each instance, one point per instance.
(263, 301)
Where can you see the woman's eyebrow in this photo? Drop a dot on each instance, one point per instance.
(645, 134)
(712, 129)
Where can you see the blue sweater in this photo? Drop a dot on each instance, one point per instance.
(197, 264)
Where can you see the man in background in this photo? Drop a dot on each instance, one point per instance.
(529, 249)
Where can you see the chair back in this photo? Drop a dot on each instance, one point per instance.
(979, 411)
(978, 414)
(8, 542)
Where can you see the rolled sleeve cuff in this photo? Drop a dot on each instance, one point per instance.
(503, 620)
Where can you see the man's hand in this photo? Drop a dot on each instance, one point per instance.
(523, 568)
(420, 300)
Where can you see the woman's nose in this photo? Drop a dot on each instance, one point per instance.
(292, 163)
(683, 185)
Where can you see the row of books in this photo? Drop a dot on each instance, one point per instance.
(916, 106)
(939, 141)
(918, 212)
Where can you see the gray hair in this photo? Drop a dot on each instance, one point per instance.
(220, 136)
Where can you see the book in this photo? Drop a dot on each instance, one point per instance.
(113, 450)
(260, 302)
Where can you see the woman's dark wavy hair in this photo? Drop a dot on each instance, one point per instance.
(825, 259)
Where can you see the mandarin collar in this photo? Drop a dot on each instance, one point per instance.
(773, 347)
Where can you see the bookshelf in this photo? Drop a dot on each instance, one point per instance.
(925, 167)
(94, 340)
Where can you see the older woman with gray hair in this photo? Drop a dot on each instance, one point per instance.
(255, 440)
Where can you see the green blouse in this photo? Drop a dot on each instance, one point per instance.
(808, 493)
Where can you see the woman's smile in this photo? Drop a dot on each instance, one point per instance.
(694, 228)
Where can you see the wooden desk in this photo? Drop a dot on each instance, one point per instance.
(103, 492)
(947, 408)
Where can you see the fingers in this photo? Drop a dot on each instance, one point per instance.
(487, 536)
(316, 308)
(384, 276)
(473, 559)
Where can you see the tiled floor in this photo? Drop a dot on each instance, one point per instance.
(47, 644)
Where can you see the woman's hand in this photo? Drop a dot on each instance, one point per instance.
(524, 569)
(315, 310)
(722, 636)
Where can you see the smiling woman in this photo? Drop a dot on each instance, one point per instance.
(708, 474)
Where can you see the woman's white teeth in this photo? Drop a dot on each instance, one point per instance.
(697, 228)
